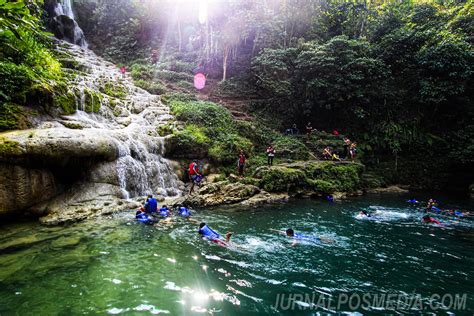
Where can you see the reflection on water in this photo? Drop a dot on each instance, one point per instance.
(117, 266)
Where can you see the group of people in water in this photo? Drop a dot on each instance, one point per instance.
(432, 213)
(150, 214)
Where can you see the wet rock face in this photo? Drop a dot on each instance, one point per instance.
(22, 187)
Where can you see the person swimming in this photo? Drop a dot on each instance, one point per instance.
(164, 211)
(207, 233)
(365, 213)
(428, 219)
(184, 212)
(297, 236)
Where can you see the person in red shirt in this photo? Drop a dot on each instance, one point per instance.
(241, 163)
(122, 71)
(193, 174)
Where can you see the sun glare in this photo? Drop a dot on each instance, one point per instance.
(203, 11)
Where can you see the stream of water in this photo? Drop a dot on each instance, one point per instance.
(115, 265)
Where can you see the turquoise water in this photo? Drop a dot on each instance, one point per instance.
(117, 266)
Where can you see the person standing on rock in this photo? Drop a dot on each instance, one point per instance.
(270, 154)
(122, 71)
(241, 163)
(194, 175)
(309, 130)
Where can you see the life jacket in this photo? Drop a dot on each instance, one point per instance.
(191, 168)
(143, 218)
(164, 211)
(308, 238)
(434, 208)
(209, 233)
(184, 212)
(151, 205)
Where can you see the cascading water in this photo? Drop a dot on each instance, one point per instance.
(131, 121)
(63, 24)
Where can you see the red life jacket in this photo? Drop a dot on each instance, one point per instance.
(191, 168)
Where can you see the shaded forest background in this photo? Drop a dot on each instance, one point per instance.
(395, 76)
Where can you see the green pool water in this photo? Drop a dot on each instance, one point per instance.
(115, 265)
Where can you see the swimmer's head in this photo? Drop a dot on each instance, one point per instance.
(200, 227)
(426, 218)
(290, 232)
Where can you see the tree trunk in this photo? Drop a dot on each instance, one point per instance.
(224, 63)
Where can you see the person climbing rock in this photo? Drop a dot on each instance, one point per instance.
(194, 176)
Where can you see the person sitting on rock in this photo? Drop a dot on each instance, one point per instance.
(327, 154)
(151, 205)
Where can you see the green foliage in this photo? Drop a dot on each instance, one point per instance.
(142, 72)
(191, 139)
(30, 74)
(216, 119)
(322, 186)
(164, 130)
(177, 96)
(150, 86)
(291, 148)
(226, 148)
(173, 76)
(187, 85)
(344, 177)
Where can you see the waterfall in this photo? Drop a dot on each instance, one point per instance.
(67, 9)
(131, 122)
(64, 25)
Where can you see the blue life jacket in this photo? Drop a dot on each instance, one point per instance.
(164, 212)
(434, 208)
(412, 201)
(330, 198)
(151, 205)
(184, 212)
(209, 233)
(308, 238)
(458, 213)
(143, 218)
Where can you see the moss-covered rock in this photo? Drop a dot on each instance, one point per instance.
(9, 147)
(92, 101)
(66, 101)
(316, 176)
(281, 178)
(114, 90)
(12, 117)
